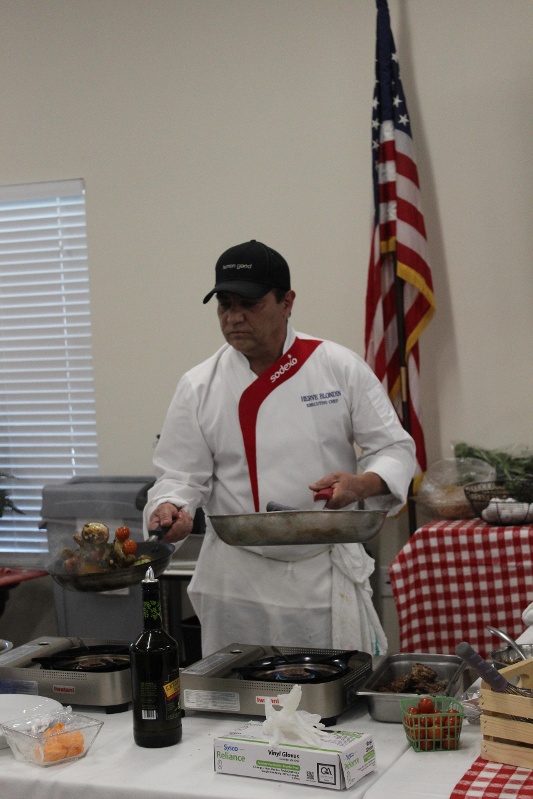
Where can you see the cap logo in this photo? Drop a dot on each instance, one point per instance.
(250, 270)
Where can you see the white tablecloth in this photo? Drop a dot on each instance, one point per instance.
(116, 768)
(428, 775)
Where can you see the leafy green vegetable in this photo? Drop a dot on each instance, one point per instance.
(507, 466)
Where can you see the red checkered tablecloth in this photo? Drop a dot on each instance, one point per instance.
(487, 780)
(451, 579)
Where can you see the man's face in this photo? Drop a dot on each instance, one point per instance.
(257, 328)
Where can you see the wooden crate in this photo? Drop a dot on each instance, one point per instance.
(507, 720)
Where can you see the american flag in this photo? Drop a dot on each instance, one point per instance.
(399, 245)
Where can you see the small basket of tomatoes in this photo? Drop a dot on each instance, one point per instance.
(433, 724)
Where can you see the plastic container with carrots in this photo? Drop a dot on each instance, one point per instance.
(57, 738)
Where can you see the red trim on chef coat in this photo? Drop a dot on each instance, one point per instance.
(252, 398)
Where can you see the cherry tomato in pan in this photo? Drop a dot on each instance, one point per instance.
(129, 547)
(122, 533)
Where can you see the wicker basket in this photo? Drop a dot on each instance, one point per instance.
(491, 501)
(507, 720)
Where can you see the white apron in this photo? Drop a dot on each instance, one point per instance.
(321, 601)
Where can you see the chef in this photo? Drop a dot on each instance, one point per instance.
(277, 415)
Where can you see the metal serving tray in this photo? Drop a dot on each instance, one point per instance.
(384, 706)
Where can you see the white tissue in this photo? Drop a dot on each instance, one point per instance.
(288, 723)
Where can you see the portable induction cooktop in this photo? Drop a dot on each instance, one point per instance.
(89, 673)
(238, 679)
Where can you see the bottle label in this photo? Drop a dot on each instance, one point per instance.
(156, 706)
(152, 609)
(172, 694)
(172, 689)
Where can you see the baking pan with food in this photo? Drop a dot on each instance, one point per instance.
(384, 705)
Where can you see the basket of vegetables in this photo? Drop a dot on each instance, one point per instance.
(433, 724)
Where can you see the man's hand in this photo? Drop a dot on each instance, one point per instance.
(348, 488)
(178, 520)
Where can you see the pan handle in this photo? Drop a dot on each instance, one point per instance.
(274, 506)
(158, 532)
(324, 493)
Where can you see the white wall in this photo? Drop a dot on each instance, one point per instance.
(197, 124)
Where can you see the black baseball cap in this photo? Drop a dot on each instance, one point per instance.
(251, 270)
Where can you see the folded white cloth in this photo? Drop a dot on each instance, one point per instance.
(355, 623)
(527, 615)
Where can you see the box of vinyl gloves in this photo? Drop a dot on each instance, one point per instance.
(295, 748)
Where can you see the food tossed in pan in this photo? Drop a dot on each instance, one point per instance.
(97, 554)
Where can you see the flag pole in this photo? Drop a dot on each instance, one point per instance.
(404, 381)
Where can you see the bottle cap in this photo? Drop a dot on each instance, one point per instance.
(149, 577)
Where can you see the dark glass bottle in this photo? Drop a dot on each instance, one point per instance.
(155, 676)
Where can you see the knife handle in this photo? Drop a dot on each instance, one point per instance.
(489, 673)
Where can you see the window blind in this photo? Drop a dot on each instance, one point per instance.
(47, 413)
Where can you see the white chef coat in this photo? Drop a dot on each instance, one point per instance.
(232, 441)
